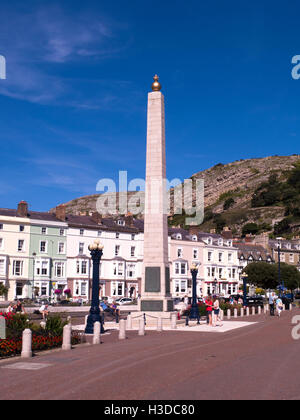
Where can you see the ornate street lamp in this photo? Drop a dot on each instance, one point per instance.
(280, 283)
(194, 313)
(244, 277)
(96, 250)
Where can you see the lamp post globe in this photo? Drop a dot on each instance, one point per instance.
(96, 250)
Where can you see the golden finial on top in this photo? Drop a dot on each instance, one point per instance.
(156, 86)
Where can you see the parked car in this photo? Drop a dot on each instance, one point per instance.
(124, 301)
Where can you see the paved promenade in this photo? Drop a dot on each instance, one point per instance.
(259, 361)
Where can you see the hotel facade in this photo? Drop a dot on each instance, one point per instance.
(43, 254)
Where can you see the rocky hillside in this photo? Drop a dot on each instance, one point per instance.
(228, 193)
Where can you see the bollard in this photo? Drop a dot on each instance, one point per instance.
(69, 320)
(187, 321)
(173, 322)
(159, 324)
(2, 328)
(248, 311)
(129, 322)
(122, 329)
(26, 344)
(97, 333)
(228, 314)
(242, 313)
(265, 309)
(141, 327)
(291, 306)
(235, 313)
(86, 318)
(253, 310)
(259, 310)
(221, 315)
(43, 324)
(117, 316)
(283, 307)
(67, 334)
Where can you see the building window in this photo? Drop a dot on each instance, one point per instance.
(220, 256)
(291, 258)
(117, 235)
(180, 286)
(21, 245)
(2, 267)
(19, 289)
(179, 252)
(230, 257)
(44, 231)
(81, 248)
(81, 232)
(1, 226)
(180, 268)
(282, 257)
(209, 256)
(43, 246)
(133, 237)
(62, 232)
(17, 268)
(132, 251)
(61, 248)
(117, 250)
(195, 254)
(22, 228)
(99, 232)
(1, 243)
(131, 270)
(82, 267)
(118, 269)
(42, 268)
(59, 269)
(220, 273)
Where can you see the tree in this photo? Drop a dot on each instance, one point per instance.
(252, 228)
(290, 276)
(219, 222)
(262, 275)
(228, 203)
(3, 290)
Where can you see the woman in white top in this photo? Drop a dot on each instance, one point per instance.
(216, 313)
(279, 306)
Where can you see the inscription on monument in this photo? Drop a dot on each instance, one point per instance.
(152, 279)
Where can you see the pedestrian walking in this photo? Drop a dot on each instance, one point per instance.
(216, 313)
(209, 308)
(279, 306)
(272, 303)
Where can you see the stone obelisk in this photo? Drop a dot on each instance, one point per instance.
(155, 294)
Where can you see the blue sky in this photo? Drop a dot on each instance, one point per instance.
(73, 106)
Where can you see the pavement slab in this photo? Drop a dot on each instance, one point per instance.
(258, 361)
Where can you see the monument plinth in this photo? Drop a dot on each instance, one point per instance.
(155, 294)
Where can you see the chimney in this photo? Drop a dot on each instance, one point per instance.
(194, 230)
(97, 218)
(60, 212)
(129, 220)
(249, 238)
(22, 210)
(226, 233)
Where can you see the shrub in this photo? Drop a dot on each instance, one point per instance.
(55, 325)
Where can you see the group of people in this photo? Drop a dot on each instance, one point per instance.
(18, 308)
(275, 302)
(213, 311)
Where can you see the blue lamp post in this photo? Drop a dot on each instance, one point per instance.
(194, 313)
(280, 282)
(244, 277)
(96, 250)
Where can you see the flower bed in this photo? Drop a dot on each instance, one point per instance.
(42, 339)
